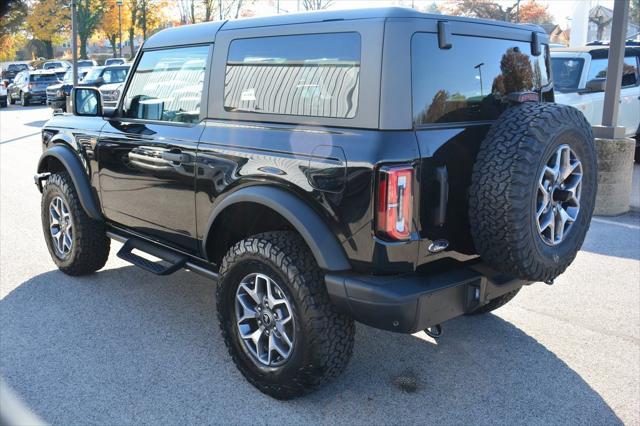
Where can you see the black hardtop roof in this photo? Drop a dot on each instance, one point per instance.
(206, 32)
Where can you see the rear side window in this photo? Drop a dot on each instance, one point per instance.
(469, 81)
(167, 85)
(598, 69)
(313, 75)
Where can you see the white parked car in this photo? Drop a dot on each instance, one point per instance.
(579, 75)
(111, 93)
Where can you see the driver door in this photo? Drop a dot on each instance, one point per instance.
(147, 152)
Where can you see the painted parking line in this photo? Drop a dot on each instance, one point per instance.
(19, 137)
(611, 222)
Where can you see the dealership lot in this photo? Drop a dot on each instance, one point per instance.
(123, 346)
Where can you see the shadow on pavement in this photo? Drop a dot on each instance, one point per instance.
(37, 123)
(125, 347)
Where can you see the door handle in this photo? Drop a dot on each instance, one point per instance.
(177, 157)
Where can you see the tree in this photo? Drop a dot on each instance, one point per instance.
(316, 4)
(132, 6)
(150, 16)
(13, 14)
(89, 14)
(229, 9)
(481, 9)
(602, 17)
(109, 25)
(634, 12)
(533, 12)
(517, 74)
(209, 9)
(47, 20)
(529, 12)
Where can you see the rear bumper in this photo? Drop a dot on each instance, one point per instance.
(413, 302)
(36, 96)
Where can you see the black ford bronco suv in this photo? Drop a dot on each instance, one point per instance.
(380, 165)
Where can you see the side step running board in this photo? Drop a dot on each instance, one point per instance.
(170, 262)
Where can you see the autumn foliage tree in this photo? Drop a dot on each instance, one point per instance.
(526, 12)
(109, 26)
(89, 14)
(47, 20)
(12, 16)
(533, 12)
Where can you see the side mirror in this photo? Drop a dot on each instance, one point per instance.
(86, 101)
(596, 85)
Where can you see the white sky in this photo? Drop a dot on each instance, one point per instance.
(559, 9)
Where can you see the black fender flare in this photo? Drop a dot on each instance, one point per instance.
(322, 242)
(76, 170)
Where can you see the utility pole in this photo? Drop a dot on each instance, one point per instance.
(119, 3)
(74, 41)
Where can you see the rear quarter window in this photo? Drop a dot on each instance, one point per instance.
(469, 81)
(301, 75)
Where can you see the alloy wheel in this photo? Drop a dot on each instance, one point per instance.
(60, 227)
(558, 196)
(264, 319)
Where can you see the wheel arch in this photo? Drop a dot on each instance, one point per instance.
(60, 158)
(277, 209)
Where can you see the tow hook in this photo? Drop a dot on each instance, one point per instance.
(434, 331)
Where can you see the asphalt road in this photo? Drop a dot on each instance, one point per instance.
(126, 347)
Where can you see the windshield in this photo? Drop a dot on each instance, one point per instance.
(115, 75)
(43, 78)
(93, 74)
(17, 67)
(114, 62)
(566, 73)
(85, 63)
(50, 65)
(68, 76)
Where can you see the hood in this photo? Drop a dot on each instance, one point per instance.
(110, 86)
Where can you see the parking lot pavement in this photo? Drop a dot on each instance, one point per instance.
(123, 346)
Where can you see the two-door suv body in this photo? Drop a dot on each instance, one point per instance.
(326, 167)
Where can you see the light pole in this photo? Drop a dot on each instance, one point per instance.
(479, 68)
(119, 3)
(74, 42)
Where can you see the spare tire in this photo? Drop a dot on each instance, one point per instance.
(533, 190)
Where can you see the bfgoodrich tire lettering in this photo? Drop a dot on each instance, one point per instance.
(90, 245)
(324, 338)
(504, 188)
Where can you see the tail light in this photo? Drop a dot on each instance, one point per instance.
(395, 202)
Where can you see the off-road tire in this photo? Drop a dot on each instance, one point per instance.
(495, 303)
(324, 337)
(90, 249)
(504, 185)
(23, 100)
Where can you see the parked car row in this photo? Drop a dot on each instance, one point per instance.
(52, 83)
